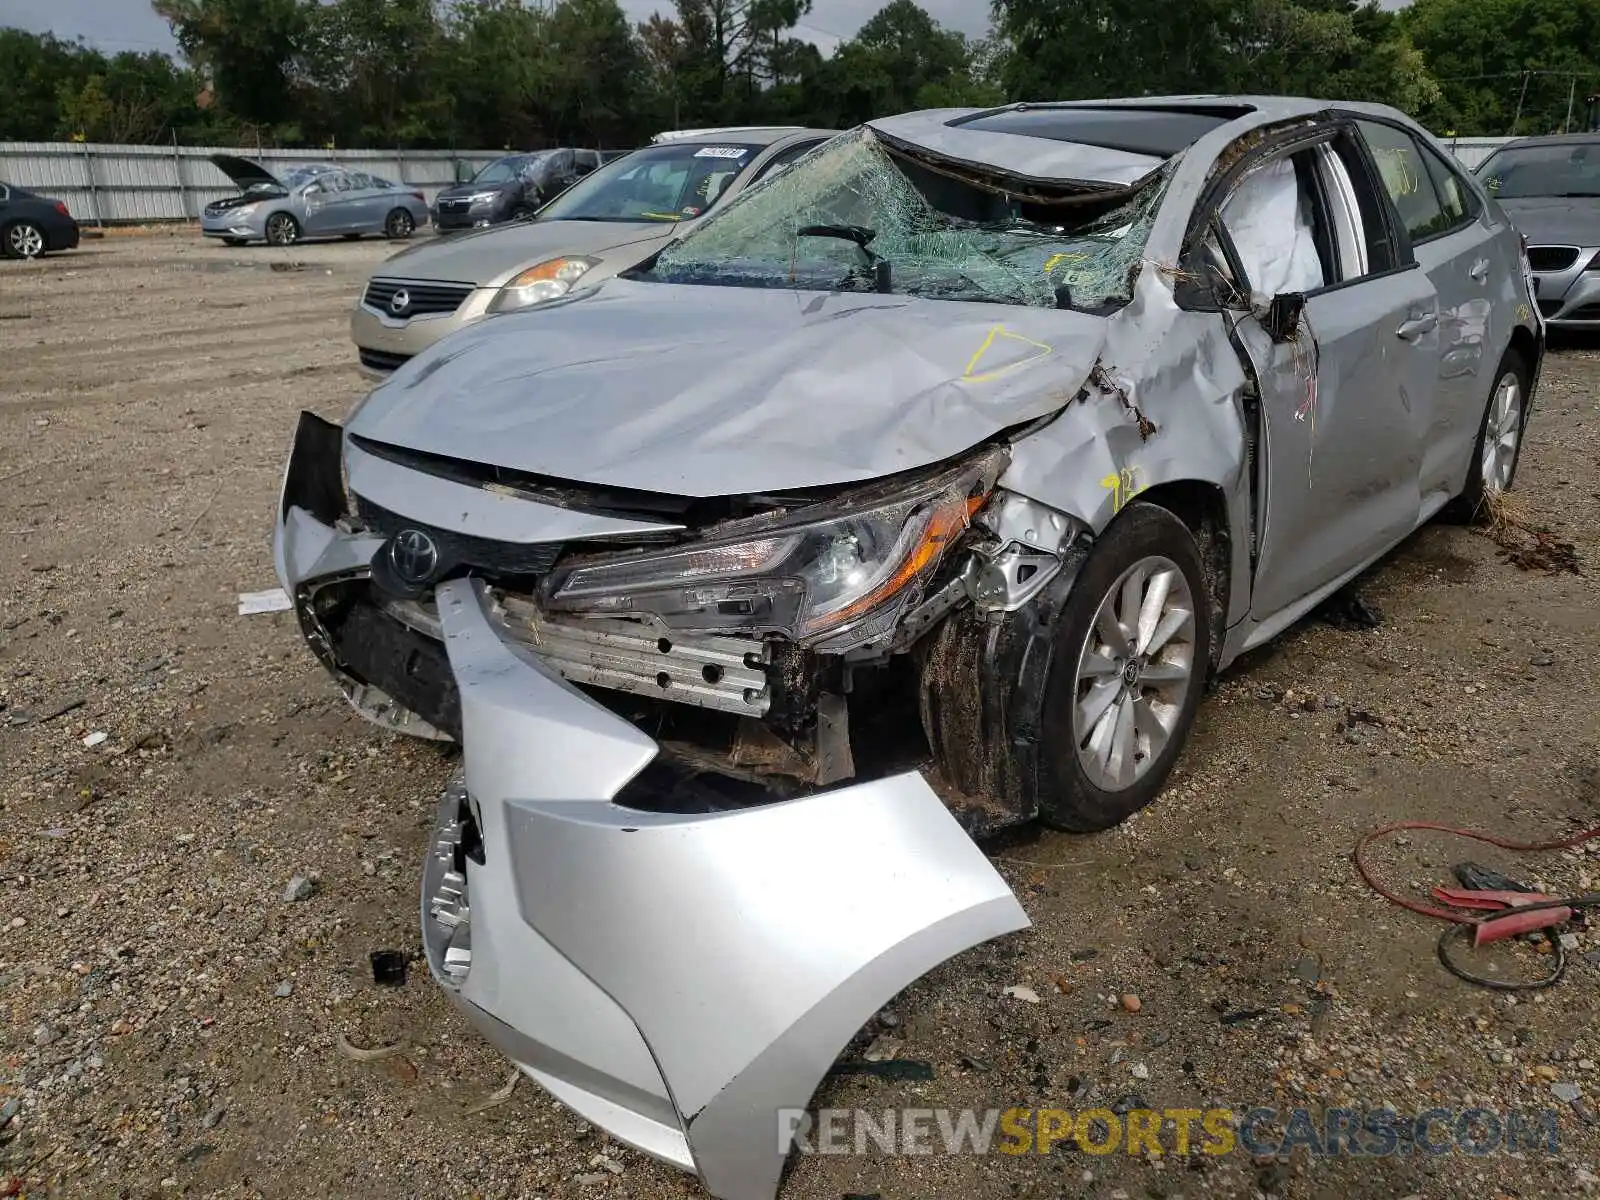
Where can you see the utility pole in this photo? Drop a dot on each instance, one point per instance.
(1526, 75)
(1572, 95)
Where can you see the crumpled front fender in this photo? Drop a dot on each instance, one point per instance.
(746, 947)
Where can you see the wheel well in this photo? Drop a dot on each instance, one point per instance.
(1526, 344)
(1204, 509)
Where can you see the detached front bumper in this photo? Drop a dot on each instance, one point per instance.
(676, 979)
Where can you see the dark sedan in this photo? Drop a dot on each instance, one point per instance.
(512, 188)
(31, 225)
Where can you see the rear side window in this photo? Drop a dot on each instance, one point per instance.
(1455, 197)
(1406, 178)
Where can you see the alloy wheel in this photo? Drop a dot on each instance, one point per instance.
(1135, 670)
(281, 229)
(1502, 433)
(26, 240)
(400, 225)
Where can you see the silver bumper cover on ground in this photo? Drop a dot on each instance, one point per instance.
(675, 979)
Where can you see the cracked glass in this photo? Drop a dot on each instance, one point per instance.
(855, 216)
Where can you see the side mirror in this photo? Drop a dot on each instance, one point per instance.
(1283, 316)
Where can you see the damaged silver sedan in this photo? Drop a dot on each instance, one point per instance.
(917, 493)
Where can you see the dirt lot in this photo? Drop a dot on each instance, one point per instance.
(172, 1020)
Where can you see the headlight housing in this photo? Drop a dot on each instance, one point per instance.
(548, 280)
(838, 575)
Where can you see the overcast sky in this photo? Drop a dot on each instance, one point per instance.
(131, 25)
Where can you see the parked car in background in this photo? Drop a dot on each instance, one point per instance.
(916, 492)
(609, 221)
(312, 201)
(31, 224)
(512, 188)
(1550, 187)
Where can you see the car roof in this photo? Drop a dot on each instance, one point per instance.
(761, 135)
(1551, 139)
(1116, 141)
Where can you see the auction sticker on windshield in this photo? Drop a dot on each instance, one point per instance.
(722, 151)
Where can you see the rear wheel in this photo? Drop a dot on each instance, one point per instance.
(1498, 449)
(282, 230)
(22, 239)
(1132, 650)
(399, 225)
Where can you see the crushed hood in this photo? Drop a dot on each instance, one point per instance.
(1556, 220)
(244, 173)
(712, 391)
(495, 254)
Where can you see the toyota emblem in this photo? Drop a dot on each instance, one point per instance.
(399, 302)
(413, 556)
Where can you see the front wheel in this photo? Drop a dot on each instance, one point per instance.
(1498, 449)
(1130, 659)
(282, 230)
(22, 239)
(399, 225)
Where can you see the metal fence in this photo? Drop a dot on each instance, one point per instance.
(106, 184)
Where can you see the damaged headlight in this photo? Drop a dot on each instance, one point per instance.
(840, 573)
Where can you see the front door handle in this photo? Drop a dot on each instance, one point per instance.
(1414, 327)
(1480, 270)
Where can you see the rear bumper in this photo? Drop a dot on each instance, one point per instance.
(64, 237)
(678, 979)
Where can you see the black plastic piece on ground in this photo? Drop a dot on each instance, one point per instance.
(898, 1069)
(1486, 879)
(1348, 611)
(388, 968)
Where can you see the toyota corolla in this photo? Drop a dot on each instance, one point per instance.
(915, 493)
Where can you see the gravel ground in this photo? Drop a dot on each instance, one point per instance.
(173, 1020)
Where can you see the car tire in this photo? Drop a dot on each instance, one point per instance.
(282, 229)
(1505, 417)
(522, 213)
(227, 241)
(399, 225)
(1123, 691)
(22, 239)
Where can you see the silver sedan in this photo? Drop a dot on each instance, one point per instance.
(312, 201)
(920, 490)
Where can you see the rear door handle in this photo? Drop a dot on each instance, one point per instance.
(1414, 327)
(1480, 270)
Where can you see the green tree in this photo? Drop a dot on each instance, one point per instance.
(594, 74)
(1493, 58)
(902, 59)
(247, 48)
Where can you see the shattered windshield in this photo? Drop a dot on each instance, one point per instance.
(854, 216)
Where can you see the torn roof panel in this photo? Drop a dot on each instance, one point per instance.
(1026, 157)
(1159, 132)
